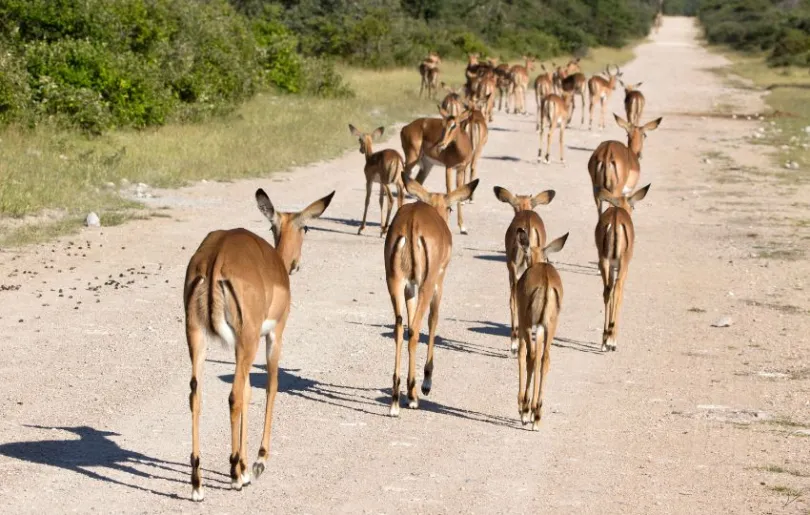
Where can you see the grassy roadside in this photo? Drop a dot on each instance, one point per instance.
(67, 175)
(789, 101)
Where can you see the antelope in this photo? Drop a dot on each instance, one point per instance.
(633, 102)
(615, 236)
(237, 289)
(417, 252)
(658, 21)
(485, 93)
(576, 84)
(473, 74)
(601, 88)
(383, 167)
(431, 141)
(504, 84)
(452, 101)
(539, 295)
(520, 81)
(527, 220)
(476, 128)
(561, 72)
(543, 86)
(429, 71)
(614, 165)
(557, 111)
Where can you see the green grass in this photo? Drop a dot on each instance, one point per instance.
(49, 169)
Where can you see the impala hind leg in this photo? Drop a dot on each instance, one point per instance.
(459, 183)
(433, 322)
(545, 362)
(413, 344)
(618, 294)
(398, 301)
(196, 348)
(513, 334)
(582, 107)
(272, 354)
(606, 272)
(590, 113)
(236, 404)
(365, 209)
(523, 390)
(385, 216)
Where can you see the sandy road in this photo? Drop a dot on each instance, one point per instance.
(684, 418)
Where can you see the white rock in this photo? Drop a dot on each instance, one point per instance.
(722, 322)
(92, 220)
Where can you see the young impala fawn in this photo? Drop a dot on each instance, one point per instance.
(539, 298)
(383, 167)
(527, 220)
(615, 237)
(417, 252)
(237, 290)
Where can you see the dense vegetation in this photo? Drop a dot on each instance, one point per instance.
(779, 27)
(98, 64)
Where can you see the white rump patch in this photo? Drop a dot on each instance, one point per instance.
(626, 190)
(401, 242)
(225, 333)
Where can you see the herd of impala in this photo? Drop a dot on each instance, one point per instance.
(237, 286)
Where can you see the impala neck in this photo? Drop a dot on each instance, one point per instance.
(286, 254)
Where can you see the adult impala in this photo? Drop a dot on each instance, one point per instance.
(237, 290)
(383, 167)
(417, 252)
(520, 81)
(633, 102)
(527, 220)
(429, 73)
(543, 87)
(614, 165)
(615, 238)
(557, 111)
(452, 102)
(601, 89)
(430, 141)
(539, 295)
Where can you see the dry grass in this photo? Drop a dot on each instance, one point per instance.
(49, 169)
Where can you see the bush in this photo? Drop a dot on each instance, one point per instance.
(14, 86)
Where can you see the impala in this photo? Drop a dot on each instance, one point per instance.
(429, 72)
(520, 81)
(557, 111)
(485, 93)
(237, 290)
(504, 84)
(576, 84)
(561, 72)
(475, 125)
(383, 167)
(614, 165)
(539, 295)
(430, 141)
(615, 237)
(527, 220)
(543, 86)
(633, 102)
(417, 252)
(601, 88)
(452, 101)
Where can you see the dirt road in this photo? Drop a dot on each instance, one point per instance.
(684, 418)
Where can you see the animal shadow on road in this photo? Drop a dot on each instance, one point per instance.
(582, 149)
(441, 409)
(95, 450)
(504, 331)
(501, 129)
(576, 268)
(288, 382)
(502, 158)
(442, 342)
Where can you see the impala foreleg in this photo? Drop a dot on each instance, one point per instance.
(550, 330)
(196, 348)
(618, 297)
(459, 183)
(385, 189)
(513, 335)
(590, 111)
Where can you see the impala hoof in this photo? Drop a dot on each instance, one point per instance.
(236, 484)
(258, 469)
(394, 411)
(413, 403)
(360, 230)
(426, 385)
(245, 478)
(463, 230)
(514, 348)
(524, 417)
(536, 425)
(197, 494)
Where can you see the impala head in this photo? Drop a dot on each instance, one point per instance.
(451, 125)
(366, 139)
(533, 255)
(636, 134)
(440, 201)
(523, 202)
(624, 202)
(472, 59)
(612, 76)
(289, 227)
(630, 87)
(493, 61)
(572, 66)
(434, 57)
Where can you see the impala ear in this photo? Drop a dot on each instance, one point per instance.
(266, 207)
(354, 131)
(463, 193)
(505, 195)
(622, 123)
(442, 111)
(414, 188)
(651, 126)
(637, 85)
(639, 195)
(556, 245)
(378, 132)
(543, 198)
(314, 210)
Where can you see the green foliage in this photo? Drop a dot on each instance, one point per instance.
(776, 26)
